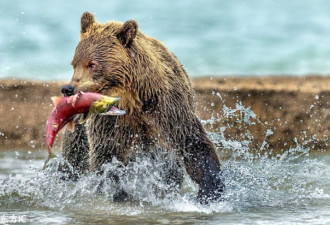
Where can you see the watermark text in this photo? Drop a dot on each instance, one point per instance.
(13, 218)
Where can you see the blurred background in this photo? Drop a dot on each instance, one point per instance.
(227, 38)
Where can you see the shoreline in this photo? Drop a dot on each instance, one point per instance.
(291, 107)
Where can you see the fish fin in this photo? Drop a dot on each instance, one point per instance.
(84, 117)
(51, 155)
(70, 126)
(56, 100)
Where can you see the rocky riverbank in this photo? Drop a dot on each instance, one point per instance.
(292, 110)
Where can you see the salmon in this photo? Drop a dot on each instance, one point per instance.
(66, 108)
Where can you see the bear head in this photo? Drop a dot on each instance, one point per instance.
(103, 59)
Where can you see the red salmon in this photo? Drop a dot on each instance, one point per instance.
(67, 107)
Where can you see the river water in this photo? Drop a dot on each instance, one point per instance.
(262, 187)
(217, 37)
(290, 189)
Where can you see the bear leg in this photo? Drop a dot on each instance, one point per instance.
(202, 164)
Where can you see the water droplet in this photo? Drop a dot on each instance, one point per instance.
(235, 88)
(316, 97)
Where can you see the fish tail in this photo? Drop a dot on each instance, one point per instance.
(51, 155)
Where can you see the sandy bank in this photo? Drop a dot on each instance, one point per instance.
(291, 107)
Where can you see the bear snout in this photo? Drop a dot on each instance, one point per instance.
(67, 90)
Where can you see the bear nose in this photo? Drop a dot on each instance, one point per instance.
(67, 90)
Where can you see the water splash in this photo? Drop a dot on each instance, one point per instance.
(254, 179)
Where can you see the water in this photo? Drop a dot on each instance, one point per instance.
(217, 37)
(284, 190)
(262, 187)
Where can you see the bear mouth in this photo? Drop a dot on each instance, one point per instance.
(114, 111)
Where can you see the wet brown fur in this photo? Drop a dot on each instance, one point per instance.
(117, 59)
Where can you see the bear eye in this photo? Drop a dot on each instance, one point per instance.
(92, 65)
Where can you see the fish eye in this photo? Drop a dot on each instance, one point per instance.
(55, 125)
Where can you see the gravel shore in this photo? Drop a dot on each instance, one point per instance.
(295, 109)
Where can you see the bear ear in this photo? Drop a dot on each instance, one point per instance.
(127, 32)
(87, 19)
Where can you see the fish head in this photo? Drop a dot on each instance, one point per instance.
(103, 104)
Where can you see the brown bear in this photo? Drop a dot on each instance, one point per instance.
(116, 59)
